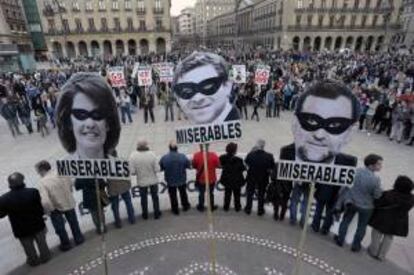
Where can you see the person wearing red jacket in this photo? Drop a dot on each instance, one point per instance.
(213, 163)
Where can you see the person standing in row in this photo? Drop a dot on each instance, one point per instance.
(232, 177)
(144, 164)
(213, 163)
(174, 165)
(24, 208)
(57, 199)
(390, 217)
(359, 199)
(260, 164)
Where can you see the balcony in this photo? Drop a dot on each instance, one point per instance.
(158, 10)
(344, 10)
(8, 49)
(48, 11)
(317, 28)
(141, 11)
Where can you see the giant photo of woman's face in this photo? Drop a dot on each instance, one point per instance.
(88, 124)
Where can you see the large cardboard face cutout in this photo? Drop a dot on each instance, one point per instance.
(322, 127)
(87, 117)
(203, 89)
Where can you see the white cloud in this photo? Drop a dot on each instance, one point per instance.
(178, 5)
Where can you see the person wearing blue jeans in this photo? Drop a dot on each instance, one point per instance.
(58, 223)
(143, 192)
(359, 199)
(364, 216)
(126, 196)
(328, 220)
(201, 197)
(299, 190)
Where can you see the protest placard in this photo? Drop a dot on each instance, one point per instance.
(117, 77)
(262, 74)
(144, 76)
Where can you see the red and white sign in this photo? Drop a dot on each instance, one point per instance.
(262, 74)
(166, 72)
(144, 76)
(117, 77)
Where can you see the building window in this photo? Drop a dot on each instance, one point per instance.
(78, 24)
(76, 6)
(331, 20)
(89, 6)
(91, 23)
(158, 24)
(367, 3)
(115, 5)
(298, 19)
(158, 5)
(323, 4)
(51, 25)
(117, 24)
(104, 24)
(353, 19)
(65, 25)
(310, 17)
(341, 21)
(320, 20)
(141, 5)
(128, 5)
(374, 20)
(334, 4)
(356, 4)
(142, 25)
(364, 20)
(130, 24)
(300, 4)
(346, 4)
(102, 5)
(311, 4)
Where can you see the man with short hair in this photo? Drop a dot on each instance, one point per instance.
(360, 200)
(174, 165)
(24, 208)
(57, 199)
(203, 89)
(260, 164)
(321, 127)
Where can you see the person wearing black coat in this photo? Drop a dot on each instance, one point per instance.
(260, 164)
(23, 207)
(390, 217)
(232, 176)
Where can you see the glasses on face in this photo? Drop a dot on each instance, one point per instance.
(81, 114)
(333, 125)
(206, 87)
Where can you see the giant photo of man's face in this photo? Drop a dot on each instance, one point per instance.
(203, 90)
(323, 121)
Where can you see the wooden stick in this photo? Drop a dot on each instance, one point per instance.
(298, 265)
(209, 211)
(101, 226)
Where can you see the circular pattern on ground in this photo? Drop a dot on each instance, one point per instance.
(219, 237)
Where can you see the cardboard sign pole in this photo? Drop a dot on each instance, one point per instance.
(298, 265)
(209, 212)
(101, 226)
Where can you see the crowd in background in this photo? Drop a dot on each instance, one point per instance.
(382, 81)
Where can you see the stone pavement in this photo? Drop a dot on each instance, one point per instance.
(22, 153)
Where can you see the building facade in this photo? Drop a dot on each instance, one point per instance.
(308, 24)
(186, 22)
(16, 49)
(35, 27)
(206, 10)
(106, 27)
(405, 39)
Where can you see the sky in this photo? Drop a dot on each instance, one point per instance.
(178, 5)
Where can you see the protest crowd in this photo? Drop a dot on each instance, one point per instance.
(382, 82)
